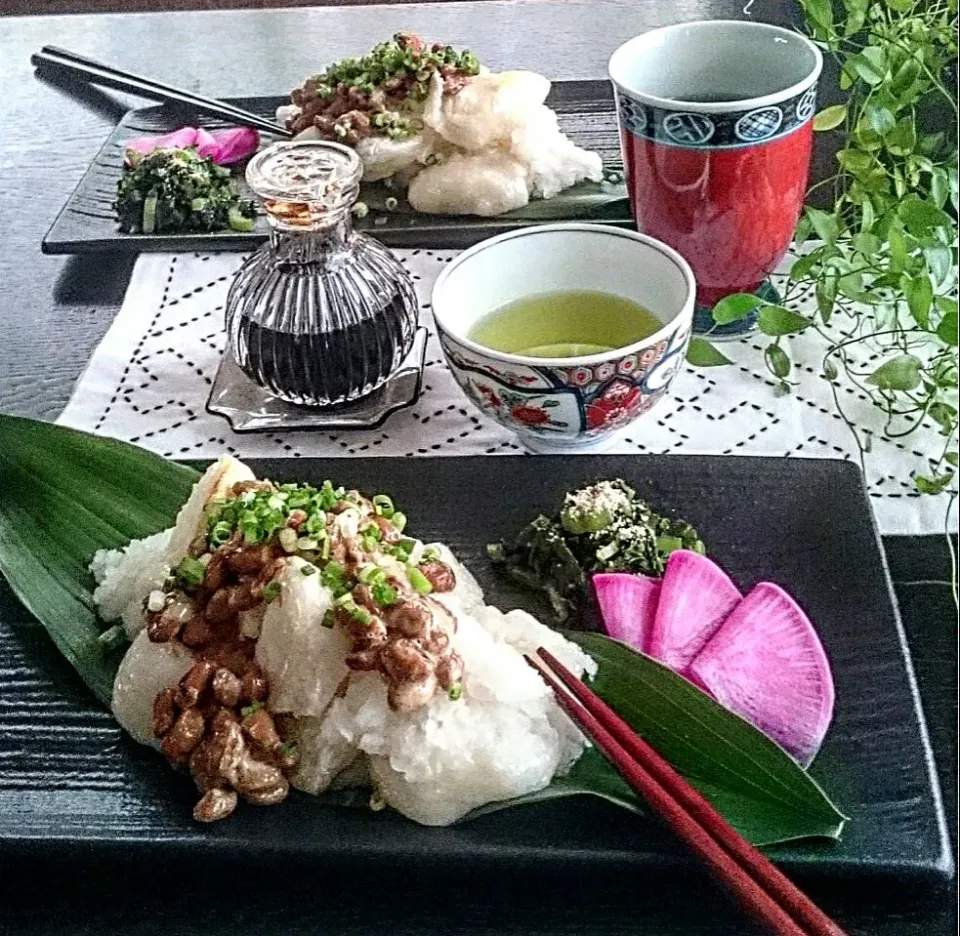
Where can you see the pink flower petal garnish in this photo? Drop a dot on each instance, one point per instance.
(234, 145)
(205, 144)
(224, 147)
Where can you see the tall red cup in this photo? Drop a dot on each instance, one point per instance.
(716, 127)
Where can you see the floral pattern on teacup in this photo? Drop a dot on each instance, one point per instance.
(582, 401)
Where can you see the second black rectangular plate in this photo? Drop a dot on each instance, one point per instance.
(71, 785)
(88, 222)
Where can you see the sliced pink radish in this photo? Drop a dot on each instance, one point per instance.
(766, 663)
(695, 597)
(628, 604)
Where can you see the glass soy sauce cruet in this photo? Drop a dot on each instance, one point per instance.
(320, 314)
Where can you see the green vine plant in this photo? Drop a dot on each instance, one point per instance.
(882, 264)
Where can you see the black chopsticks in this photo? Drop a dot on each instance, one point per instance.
(107, 76)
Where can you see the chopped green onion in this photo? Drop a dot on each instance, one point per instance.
(372, 531)
(238, 221)
(328, 619)
(287, 748)
(384, 594)
(421, 584)
(221, 533)
(271, 591)
(430, 554)
(252, 709)
(608, 551)
(149, 222)
(455, 691)
(371, 574)
(399, 520)
(308, 569)
(190, 572)
(334, 577)
(347, 603)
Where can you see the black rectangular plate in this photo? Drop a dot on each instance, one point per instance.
(72, 786)
(88, 222)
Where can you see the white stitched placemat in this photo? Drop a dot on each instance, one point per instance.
(149, 380)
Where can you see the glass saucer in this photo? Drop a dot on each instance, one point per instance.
(250, 408)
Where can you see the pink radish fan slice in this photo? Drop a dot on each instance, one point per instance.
(766, 664)
(695, 597)
(628, 604)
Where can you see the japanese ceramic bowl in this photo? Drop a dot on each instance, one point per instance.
(567, 404)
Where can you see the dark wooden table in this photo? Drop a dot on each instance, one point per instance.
(53, 313)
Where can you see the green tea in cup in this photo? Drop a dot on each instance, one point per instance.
(565, 323)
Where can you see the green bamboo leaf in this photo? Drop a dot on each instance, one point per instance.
(776, 321)
(67, 494)
(701, 353)
(830, 117)
(751, 780)
(734, 308)
(899, 373)
(595, 200)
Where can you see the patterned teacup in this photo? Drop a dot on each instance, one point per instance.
(566, 404)
(716, 131)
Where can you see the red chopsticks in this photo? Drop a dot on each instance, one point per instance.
(764, 891)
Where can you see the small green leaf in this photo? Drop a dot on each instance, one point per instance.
(777, 361)
(897, 248)
(939, 186)
(931, 142)
(921, 217)
(860, 67)
(830, 369)
(899, 373)
(826, 225)
(825, 293)
(944, 415)
(803, 265)
(903, 137)
(940, 262)
(904, 76)
(934, 485)
(918, 291)
(880, 119)
(947, 329)
(866, 244)
(830, 117)
(820, 13)
(734, 308)
(952, 458)
(855, 161)
(776, 321)
(701, 353)
(901, 6)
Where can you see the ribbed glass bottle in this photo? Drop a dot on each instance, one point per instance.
(320, 314)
